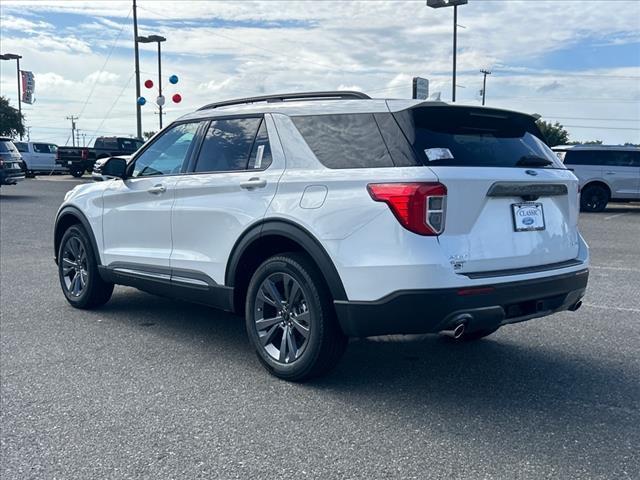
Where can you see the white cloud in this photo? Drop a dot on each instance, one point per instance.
(374, 46)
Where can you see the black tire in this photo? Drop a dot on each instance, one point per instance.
(310, 307)
(594, 198)
(76, 172)
(95, 292)
(30, 174)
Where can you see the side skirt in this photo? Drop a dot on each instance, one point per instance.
(177, 283)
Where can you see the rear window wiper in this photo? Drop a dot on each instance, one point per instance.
(533, 161)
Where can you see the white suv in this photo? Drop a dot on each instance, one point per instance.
(605, 172)
(321, 216)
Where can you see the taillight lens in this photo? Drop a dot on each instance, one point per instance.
(419, 207)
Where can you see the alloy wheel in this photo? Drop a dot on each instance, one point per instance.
(282, 317)
(74, 266)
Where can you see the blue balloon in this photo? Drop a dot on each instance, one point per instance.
(142, 100)
(173, 79)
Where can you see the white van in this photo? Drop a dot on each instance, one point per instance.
(39, 157)
(606, 173)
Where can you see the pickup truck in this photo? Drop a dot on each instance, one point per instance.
(81, 159)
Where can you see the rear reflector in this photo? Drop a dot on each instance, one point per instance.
(475, 291)
(419, 207)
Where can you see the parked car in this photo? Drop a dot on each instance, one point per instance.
(81, 159)
(606, 173)
(11, 168)
(321, 216)
(39, 157)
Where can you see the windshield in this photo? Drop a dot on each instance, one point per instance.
(474, 137)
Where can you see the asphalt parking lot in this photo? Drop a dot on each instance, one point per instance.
(153, 388)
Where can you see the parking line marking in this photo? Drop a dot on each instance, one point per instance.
(622, 269)
(607, 307)
(615, 216)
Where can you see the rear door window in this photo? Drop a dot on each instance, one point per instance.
(22, 147)
(260, 157)
(345, 140)
(44, 148)
(474, 137)
(227, 145)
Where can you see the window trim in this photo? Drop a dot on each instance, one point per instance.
(192, 164)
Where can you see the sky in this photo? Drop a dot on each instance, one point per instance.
(572, 61)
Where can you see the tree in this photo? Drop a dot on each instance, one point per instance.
(148, 135)
(588, 142)
(554, 134)
(11, 122)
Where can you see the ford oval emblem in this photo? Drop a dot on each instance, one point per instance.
(533, 173)
(527, 221)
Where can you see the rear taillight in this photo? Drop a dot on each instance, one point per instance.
(419, 207)
(84, 154)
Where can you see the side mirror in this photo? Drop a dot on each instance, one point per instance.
(114, 167)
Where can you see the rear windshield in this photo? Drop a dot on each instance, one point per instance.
(7, 146)
(474, 137)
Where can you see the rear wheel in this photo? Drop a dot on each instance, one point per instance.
(594, 198)
(78, 271)
(290, 319)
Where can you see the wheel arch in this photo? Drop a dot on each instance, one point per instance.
(271, 237)
(67, 217)
(597, 183)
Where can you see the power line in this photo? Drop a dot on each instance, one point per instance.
(95, 82)
(112, 106)
(601, 127)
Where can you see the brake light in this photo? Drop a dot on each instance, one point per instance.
(419, 207)
(84, 154)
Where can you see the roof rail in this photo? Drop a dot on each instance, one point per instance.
(329, 95)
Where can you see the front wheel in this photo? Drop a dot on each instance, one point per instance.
(594, 198)
(290, 319)
(78, 271)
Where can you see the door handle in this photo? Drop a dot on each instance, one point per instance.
(609, 172)
(157, 189)
(253, 183)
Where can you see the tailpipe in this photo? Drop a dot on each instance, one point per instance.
(455, 333)
(575, 306)
(458, 326)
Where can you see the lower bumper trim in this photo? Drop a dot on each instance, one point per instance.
(430, 311)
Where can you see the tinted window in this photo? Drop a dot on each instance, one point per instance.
(609, 158)
(22, 147)
(44, 148)
(129, 144)
(110, 143)
(261, 153)
(461, 136)
(396, 143)
(227, 145)
(345, 141)
(166, 155)
(7, 146)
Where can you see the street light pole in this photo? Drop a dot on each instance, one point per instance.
(137, 65)
(13, 56)
(455, 50)
(484, 84)
(454, 4)
(160, 81)
(158, 39)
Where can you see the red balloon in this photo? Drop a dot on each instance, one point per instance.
(177, 98)
(148, 83)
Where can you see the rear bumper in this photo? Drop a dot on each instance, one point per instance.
(11, 177)
(488, 306)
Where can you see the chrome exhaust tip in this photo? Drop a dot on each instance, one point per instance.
(575, 306)
(455, 333)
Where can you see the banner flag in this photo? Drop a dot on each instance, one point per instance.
(28, 86)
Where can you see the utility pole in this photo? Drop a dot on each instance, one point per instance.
(73, 129)
(28, 133)
(455, 49)
(484, 84)
(137, 60)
